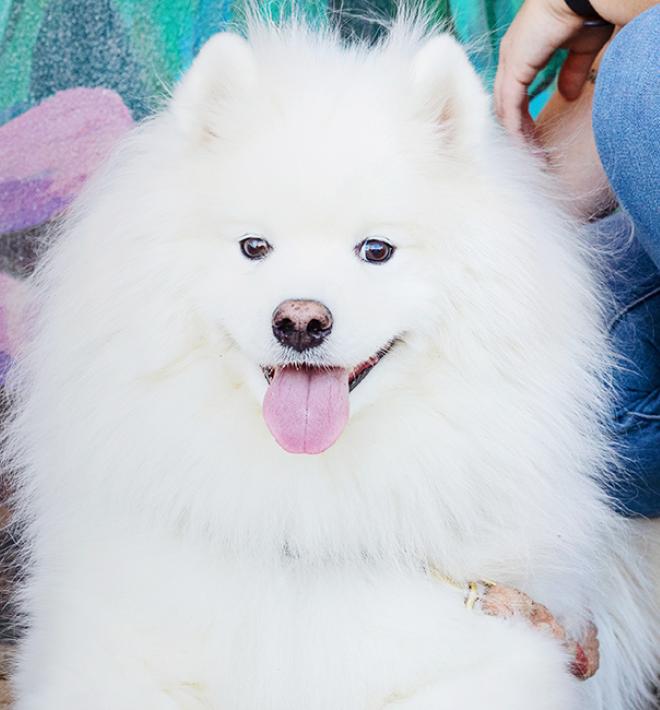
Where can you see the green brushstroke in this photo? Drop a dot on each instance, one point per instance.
(23, 21)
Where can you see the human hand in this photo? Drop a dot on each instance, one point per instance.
(540, 28)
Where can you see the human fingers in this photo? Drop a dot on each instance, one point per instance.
(511, 104)
(582, 53)
(539, 28)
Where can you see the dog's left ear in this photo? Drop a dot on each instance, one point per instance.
(223, 71)
(449, 93)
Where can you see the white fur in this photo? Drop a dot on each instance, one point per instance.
(179, 557)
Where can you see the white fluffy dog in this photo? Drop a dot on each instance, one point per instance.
(303, 219)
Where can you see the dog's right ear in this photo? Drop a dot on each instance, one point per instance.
(224, 69)
(449, 93)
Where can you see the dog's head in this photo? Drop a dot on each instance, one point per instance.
(337, 237)
(329, 187)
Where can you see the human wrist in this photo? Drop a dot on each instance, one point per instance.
(620, 13)
(583, 8)
(562, 12)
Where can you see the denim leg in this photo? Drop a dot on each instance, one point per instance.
(626, 123)
(634, 327)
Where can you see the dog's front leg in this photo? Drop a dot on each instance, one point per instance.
(528, 672)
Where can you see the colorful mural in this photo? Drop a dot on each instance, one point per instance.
(76, 74)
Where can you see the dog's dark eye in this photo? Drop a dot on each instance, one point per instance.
(255, 247)
(375, 251)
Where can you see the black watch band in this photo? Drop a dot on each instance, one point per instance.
(584, 8)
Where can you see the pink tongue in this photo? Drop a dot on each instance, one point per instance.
(306, 409)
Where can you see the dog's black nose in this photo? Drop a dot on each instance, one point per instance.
(301, 324)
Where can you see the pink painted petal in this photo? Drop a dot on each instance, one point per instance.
(48, 152)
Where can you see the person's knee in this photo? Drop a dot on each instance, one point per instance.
(625, 118)
(626, 96)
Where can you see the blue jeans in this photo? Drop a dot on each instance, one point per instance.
(626, 122)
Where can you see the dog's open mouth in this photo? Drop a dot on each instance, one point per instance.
(306, 408)
(355, 376)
